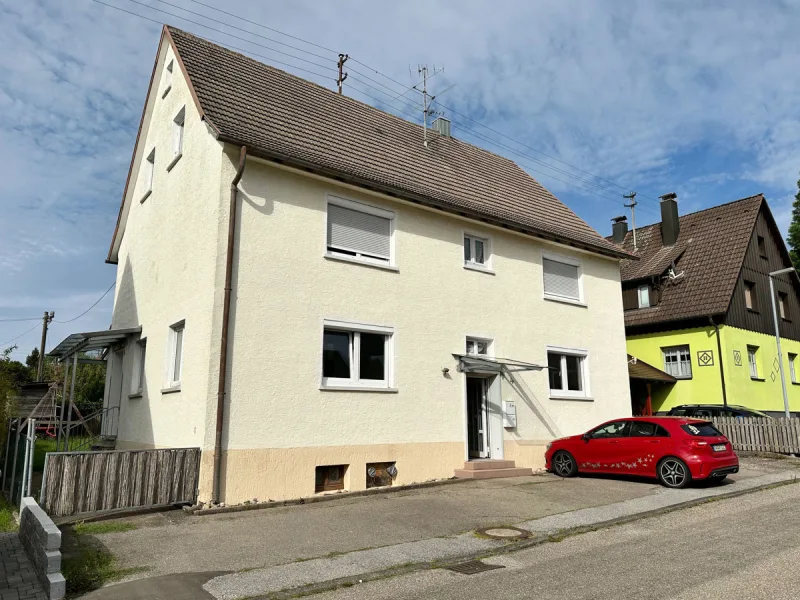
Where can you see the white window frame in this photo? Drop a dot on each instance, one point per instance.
(173, 383)
(354, 383)
(486, 265)
(678, 349)
(564, 392)
(168, 77)
(475, 339)
(752, 361)
(792, 357)
(370, 210)
(149, 172)
(178, 136)
(567, 260)
(137, 380)
(646, 290)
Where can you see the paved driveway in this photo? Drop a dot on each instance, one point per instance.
(176, 543)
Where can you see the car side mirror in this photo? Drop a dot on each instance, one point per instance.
(587, 436)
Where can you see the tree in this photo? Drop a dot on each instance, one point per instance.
(794, 231)
(9, 384)
(33, 359)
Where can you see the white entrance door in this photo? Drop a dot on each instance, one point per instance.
(477, 418)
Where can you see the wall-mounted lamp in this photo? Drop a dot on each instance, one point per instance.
(445, 371)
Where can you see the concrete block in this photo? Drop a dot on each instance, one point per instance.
(57, 586)
(53, 561)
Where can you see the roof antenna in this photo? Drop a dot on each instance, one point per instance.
(632, 206)
(426, 100)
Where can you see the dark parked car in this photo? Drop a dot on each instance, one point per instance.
(707, 411)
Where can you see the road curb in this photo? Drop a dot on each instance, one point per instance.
(511, 546)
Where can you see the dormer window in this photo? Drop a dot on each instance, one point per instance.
(644, 296)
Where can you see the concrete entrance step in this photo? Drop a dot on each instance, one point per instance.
(480, 465)
(491, 469)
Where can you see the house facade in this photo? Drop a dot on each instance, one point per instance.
(371, 311)
(697, 306)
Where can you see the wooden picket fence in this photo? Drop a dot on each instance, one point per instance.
(85, 482)
(760, 434)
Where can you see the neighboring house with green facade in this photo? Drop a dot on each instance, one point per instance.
(697, 308)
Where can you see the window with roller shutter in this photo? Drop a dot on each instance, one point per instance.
(359, 231)
(562, 279)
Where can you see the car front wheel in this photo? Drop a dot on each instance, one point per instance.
(564, 464)
(673, 473)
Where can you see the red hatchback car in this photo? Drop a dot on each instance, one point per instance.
(675, 450)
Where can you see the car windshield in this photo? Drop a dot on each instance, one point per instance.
(701, 429)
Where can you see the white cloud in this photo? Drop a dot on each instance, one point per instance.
(692, 96)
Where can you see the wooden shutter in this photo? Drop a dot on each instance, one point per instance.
(561, 279)
(358, 232)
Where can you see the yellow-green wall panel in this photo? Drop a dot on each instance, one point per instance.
(705, 386)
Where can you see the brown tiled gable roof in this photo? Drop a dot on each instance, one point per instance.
(709, 252)
(283, 117)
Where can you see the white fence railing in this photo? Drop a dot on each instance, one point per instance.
(760, 434)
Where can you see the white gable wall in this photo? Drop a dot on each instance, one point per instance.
(168, 267)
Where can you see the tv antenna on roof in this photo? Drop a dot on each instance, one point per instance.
(426, 98)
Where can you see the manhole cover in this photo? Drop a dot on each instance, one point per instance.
(472, 567)
(504, 533)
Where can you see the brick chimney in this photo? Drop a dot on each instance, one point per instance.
(670, 224)
(619, 229)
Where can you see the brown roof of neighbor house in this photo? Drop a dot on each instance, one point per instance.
(282, 117)
(709, 252)
(638, 369)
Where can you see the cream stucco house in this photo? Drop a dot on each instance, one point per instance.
(327, 303)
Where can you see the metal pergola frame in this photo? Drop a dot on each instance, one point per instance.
(70, 348)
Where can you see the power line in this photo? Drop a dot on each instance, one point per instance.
(14, 339)
(18, 320)
(393, 91)
(91, 307)
(210, 39)
(230, 34)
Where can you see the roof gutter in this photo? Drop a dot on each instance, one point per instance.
(420, 199)
(223, 343)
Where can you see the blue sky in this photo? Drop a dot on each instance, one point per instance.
(694, 97)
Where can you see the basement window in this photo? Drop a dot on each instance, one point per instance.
(329, 478)
(380, 474)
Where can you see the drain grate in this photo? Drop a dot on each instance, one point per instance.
(472, 567)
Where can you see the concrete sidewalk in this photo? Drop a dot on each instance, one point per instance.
(290, 548)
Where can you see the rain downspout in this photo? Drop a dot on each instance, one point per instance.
(719, 355)
(223, 346)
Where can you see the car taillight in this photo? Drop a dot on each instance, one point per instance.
(696, 444)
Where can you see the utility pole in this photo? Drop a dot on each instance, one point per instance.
(342, 76)
(632, 206)
(45, 322)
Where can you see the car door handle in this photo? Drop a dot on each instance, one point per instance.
(613, 442)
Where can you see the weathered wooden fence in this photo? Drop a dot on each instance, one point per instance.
(82, 482)
(760, 434)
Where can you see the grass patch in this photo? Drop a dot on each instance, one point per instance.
(48, 444)
(7, 522)
(81, 528)
(86, 564)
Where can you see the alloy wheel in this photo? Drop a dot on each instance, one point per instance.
(563, 464)
(673, 473)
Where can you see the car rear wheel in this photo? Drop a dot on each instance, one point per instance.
(673, 473)
(564, 464)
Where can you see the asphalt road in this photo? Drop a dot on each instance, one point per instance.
(747, 547)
